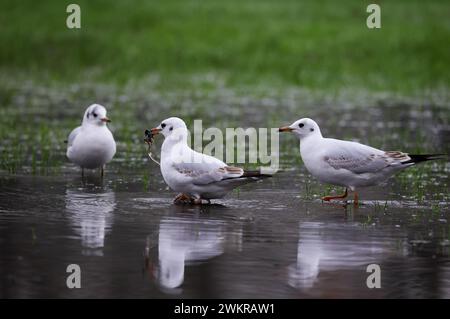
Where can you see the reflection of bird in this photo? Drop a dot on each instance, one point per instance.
(197, 176)
(92, 144)
(347, 164)
(318, 251)
(183, 241)
(304, 273)
(91, 217)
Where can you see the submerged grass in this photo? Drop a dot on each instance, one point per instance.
(231, 64)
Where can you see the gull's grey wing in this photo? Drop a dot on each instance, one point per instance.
(359, 158)
(205, 173)
(360, 163)
(357, 165)
(73, 135)
(202, 169)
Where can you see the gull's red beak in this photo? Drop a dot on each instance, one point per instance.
(105, 119)
(155, 131)
(285, 129)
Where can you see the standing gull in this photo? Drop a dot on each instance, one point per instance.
(348, 164)
(195, 175)
(92, 144)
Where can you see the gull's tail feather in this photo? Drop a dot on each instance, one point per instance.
(418, 158)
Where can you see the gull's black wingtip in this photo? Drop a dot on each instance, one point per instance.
(418, 158)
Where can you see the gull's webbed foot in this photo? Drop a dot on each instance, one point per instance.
(328, 198)
(182, 199)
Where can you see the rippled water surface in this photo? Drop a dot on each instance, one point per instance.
(264, 241)
(274, 238)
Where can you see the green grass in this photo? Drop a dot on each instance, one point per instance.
(424, 182)
(313, 44)
(231, 64)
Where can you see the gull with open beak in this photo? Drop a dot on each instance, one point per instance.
(348, 164)
(92, 144)
(194, 175)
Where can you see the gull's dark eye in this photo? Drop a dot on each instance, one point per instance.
(171, 128)
(163, 125)
(95, 114)
(311, 129)
(301, 125)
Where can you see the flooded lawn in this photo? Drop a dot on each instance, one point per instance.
(271, 239)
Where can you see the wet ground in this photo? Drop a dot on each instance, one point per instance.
(271, 239)
(265, 241)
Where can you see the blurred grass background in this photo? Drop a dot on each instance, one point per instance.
(314, 44)
(231, 64)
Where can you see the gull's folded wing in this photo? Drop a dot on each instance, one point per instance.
(73, 135)
(205, 173)
(360, 159)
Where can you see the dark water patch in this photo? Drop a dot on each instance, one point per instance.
(132, 242)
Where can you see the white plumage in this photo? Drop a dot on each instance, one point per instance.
(92, 144)
(195, 175)
(345, 163)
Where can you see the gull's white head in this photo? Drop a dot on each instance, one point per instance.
(302, 128)
(173, 128)
(95, 115)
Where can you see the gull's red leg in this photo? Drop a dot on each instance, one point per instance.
(328, 198)
(355, 199)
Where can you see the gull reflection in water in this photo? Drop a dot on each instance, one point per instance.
(184, 241)
(323, 248)
(90, 213)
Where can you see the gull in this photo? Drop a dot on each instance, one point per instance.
(348, 164)
(195, 175)
(92, 144)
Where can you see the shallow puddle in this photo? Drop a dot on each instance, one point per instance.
(264, 241)
(274, 238)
